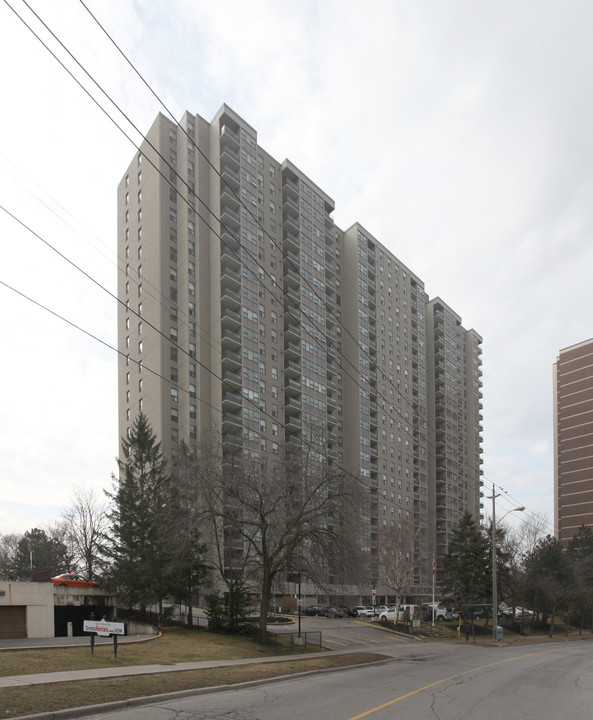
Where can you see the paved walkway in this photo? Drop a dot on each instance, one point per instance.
(130, 670)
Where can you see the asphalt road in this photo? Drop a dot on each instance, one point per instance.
(548, 681)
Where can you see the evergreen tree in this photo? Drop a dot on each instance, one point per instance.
(549, 580)
(580, 556)
(467, 566)
(139, 520)
(38, 557)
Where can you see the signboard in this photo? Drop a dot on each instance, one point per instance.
(104, 628)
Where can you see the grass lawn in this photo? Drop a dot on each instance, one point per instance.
(176, 645)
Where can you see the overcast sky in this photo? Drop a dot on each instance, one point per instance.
(458, 133)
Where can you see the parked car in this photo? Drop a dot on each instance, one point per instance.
(335, 612)
(383, 608)
(73, 580)
(365, 610)
(349, 611)
(315, 611)
(440, 612)
(520, 612)
(414, 611)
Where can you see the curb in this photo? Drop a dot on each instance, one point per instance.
(86, 710)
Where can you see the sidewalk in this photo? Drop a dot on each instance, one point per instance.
(130, 670)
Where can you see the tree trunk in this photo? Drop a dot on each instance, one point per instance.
(266, 594)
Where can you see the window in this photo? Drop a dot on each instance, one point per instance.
(192, 390)
(172, 274)
(174, 435)
(174, 395)
(140, 346)
(192, 370)
(174, 415)
(172, 215)
(192, 412)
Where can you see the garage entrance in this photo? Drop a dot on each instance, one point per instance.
(13, 621)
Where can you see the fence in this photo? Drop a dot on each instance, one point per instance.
(292, 642)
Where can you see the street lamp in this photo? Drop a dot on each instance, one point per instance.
(494, 562)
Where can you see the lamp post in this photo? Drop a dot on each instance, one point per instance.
(494, 562)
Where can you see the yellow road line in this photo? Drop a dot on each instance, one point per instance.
(444, 680)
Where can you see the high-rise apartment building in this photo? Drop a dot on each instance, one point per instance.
(455, 409)
(246, 308)
(573, 440)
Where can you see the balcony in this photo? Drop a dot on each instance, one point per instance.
(290, 206)
(291, 277)
(292, 422)
(229, 277)
(291, 242)
(229, 217)
(230, 158)
(290, 187)
(292, 386)
(231, 418)
(230, 318)
(230, 358)
(229, 237)
(290, 223)
(293, 294)
(229, 298)
(230, 179)
(230, 136)
(292, 350)
(292, 368)
(292, 332)
(232, 378)
(230, 338)
(292, 405)
(231, 399)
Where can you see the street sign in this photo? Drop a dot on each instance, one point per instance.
(104, 628)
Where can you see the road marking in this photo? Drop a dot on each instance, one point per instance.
(334, 642)
(392, 637)
(447, 679)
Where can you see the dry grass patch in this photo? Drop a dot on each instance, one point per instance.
(176, 645)
(47, 698)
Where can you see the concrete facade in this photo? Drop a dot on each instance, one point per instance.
(573, 440)
(243, 306)
(32, 602)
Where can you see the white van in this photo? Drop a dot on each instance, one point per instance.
(405, 612)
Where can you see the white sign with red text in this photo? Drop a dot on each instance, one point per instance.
(104, 628)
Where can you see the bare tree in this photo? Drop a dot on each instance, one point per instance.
(84, 525)
(9, 545)
(269, 513)
(396, 561)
